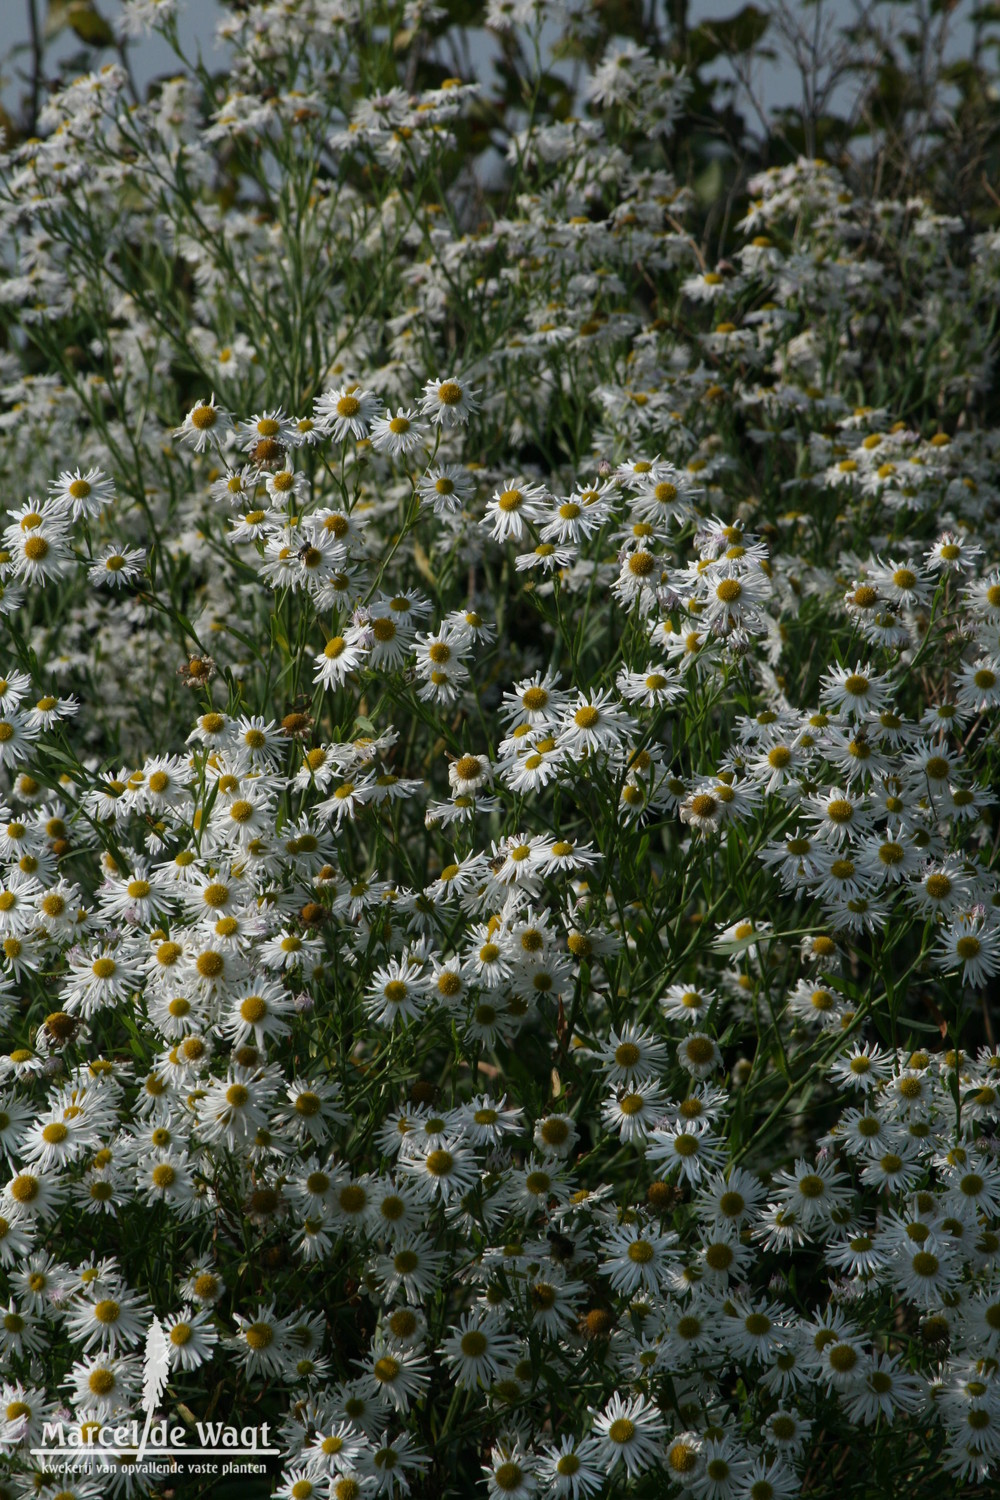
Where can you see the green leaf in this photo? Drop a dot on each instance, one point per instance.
(733, 35)
(423, 562)
(710, 184)
(83, 18)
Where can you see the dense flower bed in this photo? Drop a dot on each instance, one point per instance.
(499, 908)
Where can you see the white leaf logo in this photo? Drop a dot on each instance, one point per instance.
(155, 1369)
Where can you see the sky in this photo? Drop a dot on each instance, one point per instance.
(777, 84)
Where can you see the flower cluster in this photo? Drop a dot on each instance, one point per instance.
(498, 740)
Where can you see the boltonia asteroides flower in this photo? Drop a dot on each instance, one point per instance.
(449, 402)
(628, 1433)
(971, 945)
